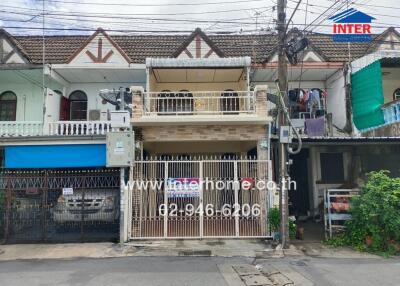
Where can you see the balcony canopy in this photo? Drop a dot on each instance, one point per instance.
(239, 62)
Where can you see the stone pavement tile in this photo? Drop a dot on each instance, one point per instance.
(280, 279)
(268, 269)
(246, 269)
(296, 277)
(231, 277)
(256, 280)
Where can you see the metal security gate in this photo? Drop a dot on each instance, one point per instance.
(199, 199)
(59, 205)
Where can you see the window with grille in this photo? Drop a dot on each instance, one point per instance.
(8, 106)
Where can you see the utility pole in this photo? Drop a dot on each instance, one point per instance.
(282, 81)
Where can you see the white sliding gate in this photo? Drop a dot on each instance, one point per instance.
(199, 199)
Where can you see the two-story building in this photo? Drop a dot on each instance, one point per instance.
(203, 106)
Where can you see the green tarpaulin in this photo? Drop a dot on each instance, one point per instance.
(367, 96)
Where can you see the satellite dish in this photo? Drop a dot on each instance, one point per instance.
(296, 43)
(113, 96)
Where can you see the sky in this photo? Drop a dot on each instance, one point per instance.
(180, 16)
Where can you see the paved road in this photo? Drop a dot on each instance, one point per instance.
(344, 271)
(190, 271)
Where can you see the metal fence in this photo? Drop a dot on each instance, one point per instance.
(59, 206)
(199, 199)
(199, 103)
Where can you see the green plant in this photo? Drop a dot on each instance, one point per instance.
(292, 229)
(274, 219)
(375, 224)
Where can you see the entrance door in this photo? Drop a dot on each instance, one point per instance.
(195, 199)
(64, 109)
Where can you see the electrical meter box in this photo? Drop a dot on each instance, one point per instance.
(120, 148)
(285, 134)
(120, 119)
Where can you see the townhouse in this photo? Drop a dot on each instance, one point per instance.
(201, 106)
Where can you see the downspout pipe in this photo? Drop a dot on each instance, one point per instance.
(348, 128)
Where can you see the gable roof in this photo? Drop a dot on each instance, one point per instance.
(59, 49)
(198, 33)
(351, 16)
(378, 40)
(14, 44)
(93, 36)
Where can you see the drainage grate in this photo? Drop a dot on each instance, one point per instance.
(194, 253)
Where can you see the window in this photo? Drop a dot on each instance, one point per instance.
(229, 102)
(396, 94)
(332, 171)
(78, 105)
(8, 106)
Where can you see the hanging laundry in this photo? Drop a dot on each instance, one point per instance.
(314, 100)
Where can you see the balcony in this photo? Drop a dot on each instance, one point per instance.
(58, 128)
(199, 107)
(79, 128)
(391, 112)
(20, 128)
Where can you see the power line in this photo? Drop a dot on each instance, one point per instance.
(384, 25)
(79, 13)
(353, 3)
(151, 5)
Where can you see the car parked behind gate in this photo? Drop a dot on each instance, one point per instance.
(88, 206)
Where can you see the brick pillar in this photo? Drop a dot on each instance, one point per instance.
(137, 101)
(261, 100)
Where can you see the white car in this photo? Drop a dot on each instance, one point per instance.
(88, 206)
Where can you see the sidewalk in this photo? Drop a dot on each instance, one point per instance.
(219, 248)
(222, 248)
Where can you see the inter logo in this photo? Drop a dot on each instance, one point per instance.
(351, 26)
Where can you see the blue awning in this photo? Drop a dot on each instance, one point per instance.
(55, 156)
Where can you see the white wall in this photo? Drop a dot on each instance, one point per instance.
(53, 100)
(92, 92)
(390, 82)
(29, 100)
(336, 99)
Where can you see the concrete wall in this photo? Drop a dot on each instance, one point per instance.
(204, 133)
(92, 92)
(390, 82)
(336, 99)
(199, 147)
(29, 100)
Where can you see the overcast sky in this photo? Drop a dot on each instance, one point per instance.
(251, 16)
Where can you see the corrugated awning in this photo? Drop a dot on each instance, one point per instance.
(365, 61)
(198, 63)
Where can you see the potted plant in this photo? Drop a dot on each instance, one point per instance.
(274, 221)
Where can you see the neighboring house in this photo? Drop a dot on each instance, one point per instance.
(202, 106)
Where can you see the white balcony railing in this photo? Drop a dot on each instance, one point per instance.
(199, 103)
(79, 127)
(20, 128)
(58, 128)
(391, 112)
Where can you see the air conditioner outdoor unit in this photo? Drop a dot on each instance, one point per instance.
(94, 115)
(120, 119)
